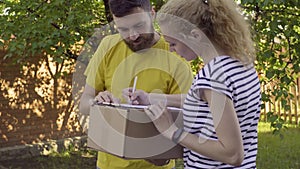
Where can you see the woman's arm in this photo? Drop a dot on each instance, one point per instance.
(143, 98)
(229, 146)
(174, 100)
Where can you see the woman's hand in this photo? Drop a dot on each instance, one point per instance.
(138, 97)
(162, 119)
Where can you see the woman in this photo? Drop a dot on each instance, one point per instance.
(222, 108)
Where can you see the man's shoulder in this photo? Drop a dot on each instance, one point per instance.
(116, 37)
(111, 40)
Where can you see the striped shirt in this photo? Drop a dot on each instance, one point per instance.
(239, 83)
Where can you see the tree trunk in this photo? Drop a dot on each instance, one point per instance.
(108, 15)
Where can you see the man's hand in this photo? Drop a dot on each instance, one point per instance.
(106, 96)
(158, 162)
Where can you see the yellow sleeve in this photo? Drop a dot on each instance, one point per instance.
(183, 78)
(95, 70)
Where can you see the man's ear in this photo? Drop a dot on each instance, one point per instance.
(153, 13)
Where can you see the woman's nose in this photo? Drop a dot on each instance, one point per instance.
(172, 49)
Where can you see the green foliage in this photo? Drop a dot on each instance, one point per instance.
(157, 3)
(48, 27)
(71, 150)
(55, 27)
(277, 124)
(276, 28)
(196, 65)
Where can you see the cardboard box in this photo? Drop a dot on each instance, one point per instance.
(129, 133)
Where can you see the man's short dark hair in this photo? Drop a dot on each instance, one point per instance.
(120, 8)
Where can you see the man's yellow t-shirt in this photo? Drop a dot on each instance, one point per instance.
(113, 68)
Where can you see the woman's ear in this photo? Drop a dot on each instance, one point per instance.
(196, 33)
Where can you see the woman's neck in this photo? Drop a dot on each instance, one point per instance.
(213, 51)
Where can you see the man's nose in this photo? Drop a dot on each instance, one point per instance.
(133, 35)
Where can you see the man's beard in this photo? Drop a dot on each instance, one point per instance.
(146, 41)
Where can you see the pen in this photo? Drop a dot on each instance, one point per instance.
(134, 84)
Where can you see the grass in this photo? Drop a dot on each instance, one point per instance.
(68, 159)
(274, 152)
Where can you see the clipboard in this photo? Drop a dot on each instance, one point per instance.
(132, 106)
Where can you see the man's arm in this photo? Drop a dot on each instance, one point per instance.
(87, 98)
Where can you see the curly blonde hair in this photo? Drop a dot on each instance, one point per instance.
(221, 22)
